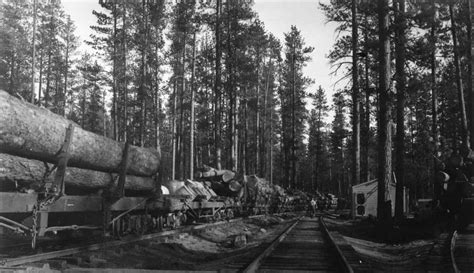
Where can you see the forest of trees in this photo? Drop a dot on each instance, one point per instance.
(206, 83)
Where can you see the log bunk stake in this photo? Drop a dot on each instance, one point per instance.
(115, 193)
(120, 190)
(52, 191)
(63, 158)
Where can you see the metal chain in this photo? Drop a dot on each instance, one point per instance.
(40, 205)
(35, 223)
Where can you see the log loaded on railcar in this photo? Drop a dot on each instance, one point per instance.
(56, 177)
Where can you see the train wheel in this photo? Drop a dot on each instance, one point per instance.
(117, 229)
(184, 218)
(160, 222)
(218, 216)
(230, 214)
(138, 228)
(145, 223)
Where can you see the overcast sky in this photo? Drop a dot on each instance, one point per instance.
(278, 16)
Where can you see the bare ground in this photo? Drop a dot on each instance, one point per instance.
(414, 245)
(207, 249)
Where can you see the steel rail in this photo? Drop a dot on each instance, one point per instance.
(452, 246)
(346, 266)
(255, 264)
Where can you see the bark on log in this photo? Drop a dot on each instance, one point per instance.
(26, 172)
(216, 175)
(36, 133)
(223, 189)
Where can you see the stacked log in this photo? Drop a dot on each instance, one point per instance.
(194, 189)
(260, 191)
(254, 191)
(27, 173)
(36, 133)
(32, 136)
(211, 174)
(223, 182)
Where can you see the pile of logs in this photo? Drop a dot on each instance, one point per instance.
(32, 136)
(222, 182)
(254, 190)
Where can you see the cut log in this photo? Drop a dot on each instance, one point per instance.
(36, 133)
(222, 189)
(216, 175)
(228, 176)
(27, 172)
(234, 186)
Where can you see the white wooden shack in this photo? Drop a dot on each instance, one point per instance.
(364, 198)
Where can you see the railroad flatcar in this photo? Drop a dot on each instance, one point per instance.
(56, 177)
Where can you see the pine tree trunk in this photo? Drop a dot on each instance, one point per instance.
(114, 74)
(263, 144)
(48, 74)
(57, 94)
(217, 91)
(191, 126)
(293, 124)
(33, 132)
(271, 141)
(235, 135)
(457, 64)
(125, 80)
(157, 120)
(181, 158)
(66, 69)
(104, 119)
(366, 136)
(400, 23)
(384, 121)
(12, 72)
(257, 121)
(245, 133)
(434, 93)
(355, 100)
(230, 90)
(83, 106)
(173, 161)
(471, 73)
(33, 55)
(40, 85)
(143, 88)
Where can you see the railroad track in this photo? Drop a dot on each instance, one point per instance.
(462, 250)
(306, 245)
(453, 252)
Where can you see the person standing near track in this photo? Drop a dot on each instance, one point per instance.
(313, 207)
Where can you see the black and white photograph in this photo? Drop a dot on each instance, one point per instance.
(228, 136)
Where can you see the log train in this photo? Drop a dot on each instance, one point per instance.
(56, 178)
